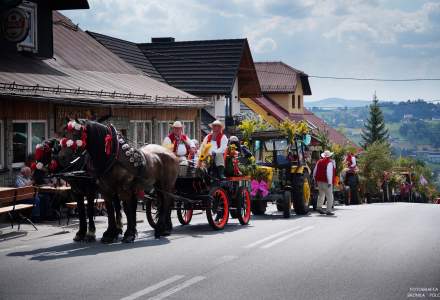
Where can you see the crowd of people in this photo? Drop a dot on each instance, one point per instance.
(188, 151)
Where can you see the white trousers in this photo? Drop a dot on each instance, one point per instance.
(325, 192)
(219, 160)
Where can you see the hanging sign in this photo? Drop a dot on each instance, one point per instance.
(15, 25)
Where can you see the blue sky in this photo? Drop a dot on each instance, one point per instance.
(344, 38)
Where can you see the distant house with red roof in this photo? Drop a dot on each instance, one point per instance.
(283, 89)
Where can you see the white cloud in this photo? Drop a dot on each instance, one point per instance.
(375, 38)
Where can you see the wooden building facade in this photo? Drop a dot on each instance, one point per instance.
(82, 80)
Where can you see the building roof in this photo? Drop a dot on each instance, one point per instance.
(197, 67)
(278, 77)
(83, 71)
(310, 118)
(202, 67)
(129, 52)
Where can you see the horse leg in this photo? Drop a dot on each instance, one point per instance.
(91, 232)
(111, 234)
(164, 224)
(168, 204)
(81, 234)
(130, 207)
(119, 225)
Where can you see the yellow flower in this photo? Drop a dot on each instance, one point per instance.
(205, 151)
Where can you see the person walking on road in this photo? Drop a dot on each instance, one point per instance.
(323, 173)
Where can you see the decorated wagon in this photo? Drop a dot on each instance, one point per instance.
(199, 188)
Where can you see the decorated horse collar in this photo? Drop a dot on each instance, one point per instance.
(41, 152)
(134, 156)
(77, 129)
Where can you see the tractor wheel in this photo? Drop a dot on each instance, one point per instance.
(258, 207)
(218, 213)
(244, 206)
(301, 193)
(287, 204)
(152, 212)
(184, 215)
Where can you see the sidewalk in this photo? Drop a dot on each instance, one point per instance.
(52, 228)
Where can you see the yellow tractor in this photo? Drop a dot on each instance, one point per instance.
(284, 175)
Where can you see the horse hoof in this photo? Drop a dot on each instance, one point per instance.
(90, 237)
(128, 239)
(109, 237)
(119, 231)
(79, 237)
(108, 240)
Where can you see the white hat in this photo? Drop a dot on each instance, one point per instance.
(326, 153)
(177, 124)
(216, 122)
(233, 138)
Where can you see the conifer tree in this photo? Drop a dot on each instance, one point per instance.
(375, 129)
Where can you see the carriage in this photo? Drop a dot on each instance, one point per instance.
(199, 189)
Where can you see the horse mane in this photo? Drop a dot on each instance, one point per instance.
(96, 133)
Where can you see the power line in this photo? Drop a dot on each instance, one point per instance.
(374, 79)
(207, 63)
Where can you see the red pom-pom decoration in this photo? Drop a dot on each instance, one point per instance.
(53, 165)
(39, 152)
(63, 142)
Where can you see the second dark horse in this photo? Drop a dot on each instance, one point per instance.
(122, 171)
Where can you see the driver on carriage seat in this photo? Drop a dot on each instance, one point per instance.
(219, 144)
(179, 143)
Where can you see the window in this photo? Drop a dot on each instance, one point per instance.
(164, 130)
(141, 132)
(2, 145)
(26, 135)
(299, 101)
(293, 101)
(189, 129)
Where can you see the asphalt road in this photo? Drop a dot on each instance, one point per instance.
(378, 251)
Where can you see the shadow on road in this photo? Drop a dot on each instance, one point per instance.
(12, 235)
(277, 216)
(200, 230)
(85, 249)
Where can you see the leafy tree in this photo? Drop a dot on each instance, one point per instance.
(375, 129)
(322, 136)
(373, 162)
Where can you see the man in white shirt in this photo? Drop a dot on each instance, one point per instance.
(179, 143)
(219, 143)
(323, 174)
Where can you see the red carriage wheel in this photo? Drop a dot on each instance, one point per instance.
(152, 212)
(184, 215)
(218, 213)
(244, 206)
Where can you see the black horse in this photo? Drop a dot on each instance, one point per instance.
(122, 171)
(47, 164)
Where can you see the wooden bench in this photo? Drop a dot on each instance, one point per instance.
(98, 203)
(9, 198)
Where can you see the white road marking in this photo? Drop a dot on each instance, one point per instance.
(282, 239)
(177, 288)
(270, 237)
(153, 287)
(14, 248)
(225, 259)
